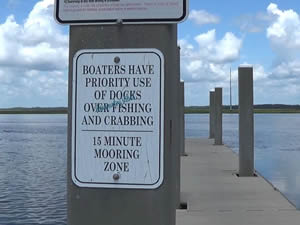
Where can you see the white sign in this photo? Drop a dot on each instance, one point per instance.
(127, 11)
(118, 117)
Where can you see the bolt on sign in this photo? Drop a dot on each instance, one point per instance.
(121, 11)
(118, 114)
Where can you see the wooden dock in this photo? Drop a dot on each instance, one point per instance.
(216, 196)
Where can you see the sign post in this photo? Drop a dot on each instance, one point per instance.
(122, 125)
(118, 203)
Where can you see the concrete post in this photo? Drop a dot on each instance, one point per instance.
(176, 126)
(182, 119)
(218, 116)
(99, 206)
(212, 114)
(246, 127)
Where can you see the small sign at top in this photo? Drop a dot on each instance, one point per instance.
(80, 12)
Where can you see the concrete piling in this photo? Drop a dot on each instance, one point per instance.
(246, 125)
(94, 206)
(182, 120)
(212, 114)
(218, 116)
(176, 130)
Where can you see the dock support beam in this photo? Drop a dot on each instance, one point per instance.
(218, 117)
(212, 114)
(176, 130)
(106, 206)
(246, 127)
(182, 126)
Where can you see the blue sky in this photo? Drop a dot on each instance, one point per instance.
(216, 37)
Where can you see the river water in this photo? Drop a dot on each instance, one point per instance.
(33, 161)
(33, 169)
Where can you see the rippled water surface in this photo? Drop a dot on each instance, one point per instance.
(33, 169)
(276, 142)
(33, 161)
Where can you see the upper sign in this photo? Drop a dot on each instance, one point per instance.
(120, 11)
(118, 116)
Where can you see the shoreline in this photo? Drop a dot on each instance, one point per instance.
(194, 112)
(187, 110)
(235, 111)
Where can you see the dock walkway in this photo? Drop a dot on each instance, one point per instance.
(216, 196)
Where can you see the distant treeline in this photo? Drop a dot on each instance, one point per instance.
(35, 110)
(264, 108)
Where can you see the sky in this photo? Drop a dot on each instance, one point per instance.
(218, 36)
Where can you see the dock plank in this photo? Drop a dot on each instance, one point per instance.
(215, 195)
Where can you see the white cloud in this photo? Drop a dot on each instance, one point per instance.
(287, 70)
(210, 51)
(219, 51)
(284, 32)
(36, 43)
(202, 72)
(206, 64)
(202, 17)
(284, 36)
(280, 83)
(33, 58)
(259, 73)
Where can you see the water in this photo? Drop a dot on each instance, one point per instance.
(33, 161)
(277, 146)
(33, 169)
